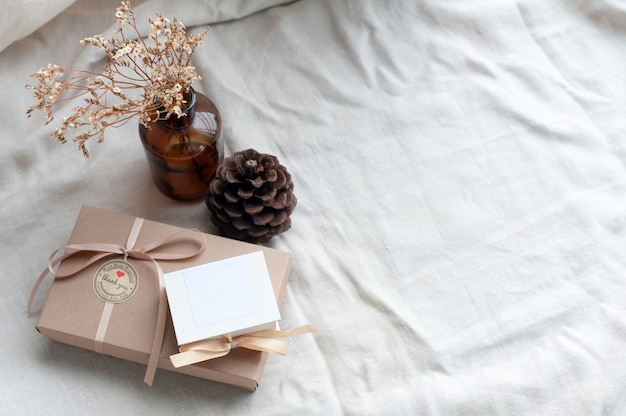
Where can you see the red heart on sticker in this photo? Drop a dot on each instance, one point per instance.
(120, 274)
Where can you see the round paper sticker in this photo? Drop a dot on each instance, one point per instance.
(115, 281)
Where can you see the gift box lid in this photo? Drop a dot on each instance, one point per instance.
(72, 311)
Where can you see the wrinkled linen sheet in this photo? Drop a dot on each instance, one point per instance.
(460, 233)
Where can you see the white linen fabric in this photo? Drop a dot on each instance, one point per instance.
(460, 232)
(21, 18)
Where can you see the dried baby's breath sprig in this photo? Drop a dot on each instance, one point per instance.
(148, 78)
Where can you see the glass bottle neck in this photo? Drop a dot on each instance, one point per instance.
(177, 122)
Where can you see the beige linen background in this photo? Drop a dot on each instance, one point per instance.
(460, 233)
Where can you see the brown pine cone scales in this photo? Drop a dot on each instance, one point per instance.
(251, 197)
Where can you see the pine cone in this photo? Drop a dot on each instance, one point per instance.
(251, 197)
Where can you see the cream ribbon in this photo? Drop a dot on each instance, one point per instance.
(209, 349)
(102, 250)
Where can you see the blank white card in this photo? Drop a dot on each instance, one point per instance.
(233, 296)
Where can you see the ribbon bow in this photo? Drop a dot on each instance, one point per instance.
(209, 349)
(147, 252)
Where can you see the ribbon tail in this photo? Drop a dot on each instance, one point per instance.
(267, 340)
(195, 356)
(274, 346)
(50, 269)
(159, 331)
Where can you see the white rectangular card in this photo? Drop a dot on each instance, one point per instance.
(233, 296)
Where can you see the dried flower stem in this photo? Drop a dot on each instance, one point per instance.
(159, 67)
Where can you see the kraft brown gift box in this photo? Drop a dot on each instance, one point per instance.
(72, 311)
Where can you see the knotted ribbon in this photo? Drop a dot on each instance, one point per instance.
(148, 252)
(208, 349)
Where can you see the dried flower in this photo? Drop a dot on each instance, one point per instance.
(157, 70)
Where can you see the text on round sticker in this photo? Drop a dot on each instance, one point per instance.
(115, 281)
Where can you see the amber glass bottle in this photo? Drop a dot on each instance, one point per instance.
(184, 152)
